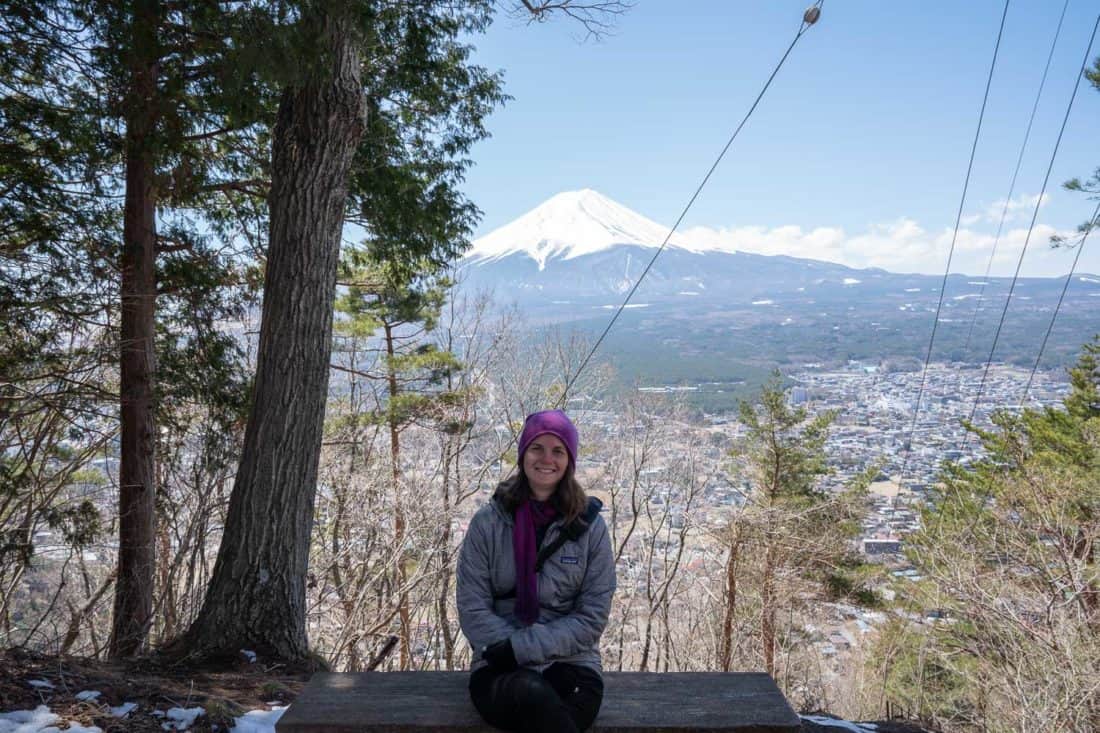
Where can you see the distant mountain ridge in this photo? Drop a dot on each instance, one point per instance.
(581, 245)
(573, 259)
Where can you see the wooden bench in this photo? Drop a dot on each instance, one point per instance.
(634, 702)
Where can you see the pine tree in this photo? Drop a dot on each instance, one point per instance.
(126, 114)
(788, 524)
(54, 363)
(413, 371)
(375, 129)
(1009, 554)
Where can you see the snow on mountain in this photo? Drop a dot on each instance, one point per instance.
(568, 225)
(581, 250)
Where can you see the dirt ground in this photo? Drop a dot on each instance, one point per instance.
(156, 684)
(151, 683)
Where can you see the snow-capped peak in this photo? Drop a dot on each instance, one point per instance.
(570, 224)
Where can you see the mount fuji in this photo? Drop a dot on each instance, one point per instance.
(574, 257)
(570, 225)
(581, 248)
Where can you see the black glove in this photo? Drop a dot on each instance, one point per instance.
(501, 657)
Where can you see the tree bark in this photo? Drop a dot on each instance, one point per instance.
(169, 603)
(257, 595)
(730, 614)
(398, 510)
(78, 617)
(445, 556)
(342, 572)
(767, 611)
(133, 604)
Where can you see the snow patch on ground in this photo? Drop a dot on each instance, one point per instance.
(763, 302)
(85, 695)
(249, 655)
(1088, 279)
(41, 720)
(840, 724)
(27, 721)
(912, 290)
(180, 718)
(124, 709)
(851, 281)
(41, 684)
(259, 721)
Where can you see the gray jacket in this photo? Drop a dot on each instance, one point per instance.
(575, 588)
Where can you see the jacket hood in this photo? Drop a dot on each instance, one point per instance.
(497, 502)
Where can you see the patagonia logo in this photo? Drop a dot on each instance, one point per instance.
(568, 560)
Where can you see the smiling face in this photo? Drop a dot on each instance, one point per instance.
(544, 465)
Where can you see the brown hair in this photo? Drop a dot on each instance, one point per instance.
(568, 498)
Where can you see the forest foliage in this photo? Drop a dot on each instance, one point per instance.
(1008, 554)
(158, 181)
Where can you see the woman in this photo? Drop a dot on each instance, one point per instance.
(535, 580)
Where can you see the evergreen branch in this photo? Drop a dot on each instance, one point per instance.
(253, 187)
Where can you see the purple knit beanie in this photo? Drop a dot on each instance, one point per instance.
(552, 422)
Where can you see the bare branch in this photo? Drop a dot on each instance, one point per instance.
(597, 17)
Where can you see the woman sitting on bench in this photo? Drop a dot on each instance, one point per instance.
(535, 580)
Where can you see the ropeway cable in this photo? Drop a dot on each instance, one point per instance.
(1073, 269)
(951, 251)
(1034, 216)
(1011, 190)
(811, 16)
(1012, 185)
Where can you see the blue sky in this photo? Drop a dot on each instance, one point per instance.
(857, 153)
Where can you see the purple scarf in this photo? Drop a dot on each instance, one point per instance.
(529, 516)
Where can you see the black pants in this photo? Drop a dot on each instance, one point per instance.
(564, 698)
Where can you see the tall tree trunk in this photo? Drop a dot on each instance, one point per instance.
(398, 510)
(647, 640)
(133, 606)
(667, 640)
(169, 604)
(443, 556)
(620, 643)
(730, 614)
(767, 611)
(257, 595)
(342, 573)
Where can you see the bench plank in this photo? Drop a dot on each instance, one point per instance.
(634, 702)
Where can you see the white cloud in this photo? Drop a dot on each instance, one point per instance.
(902, 246)
(1018, 209)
